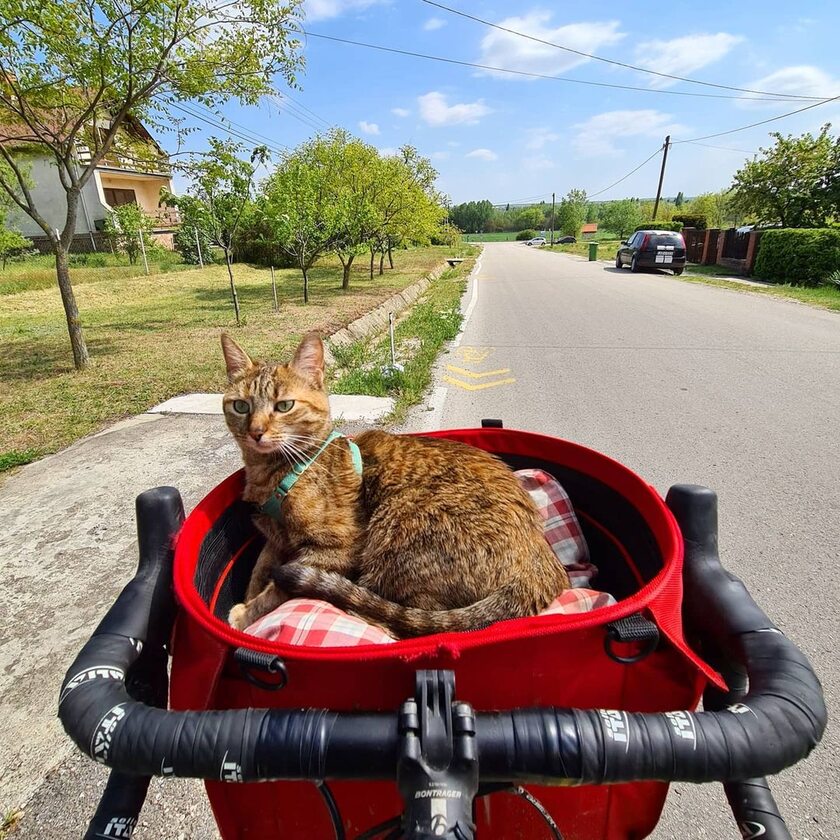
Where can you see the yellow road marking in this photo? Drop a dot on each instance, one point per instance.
(473, 355)
(478, 387)
(472, 375)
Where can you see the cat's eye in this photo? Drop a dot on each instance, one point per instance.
(241, 406)
(284, 405)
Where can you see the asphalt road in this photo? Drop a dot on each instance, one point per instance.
(683, 383)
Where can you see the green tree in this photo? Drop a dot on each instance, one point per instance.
(297, 203)
(529, 217)
(794, 183)
(621, 217)
(719, 209)
(73, 72)
(221, 182)
(125, 226)
(679, 200)
(196, 230)
(571, 213)
(472, 216)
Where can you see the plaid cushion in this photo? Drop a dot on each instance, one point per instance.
(303, 621)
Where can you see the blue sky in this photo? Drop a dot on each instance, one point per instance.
(508, 138)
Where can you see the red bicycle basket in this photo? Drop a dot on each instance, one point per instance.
(547, 661)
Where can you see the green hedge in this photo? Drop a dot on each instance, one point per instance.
(674, 226)
(801, 257)
(526, 234)
(693, 220)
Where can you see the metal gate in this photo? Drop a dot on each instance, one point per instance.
(694, 241)
(735, 244)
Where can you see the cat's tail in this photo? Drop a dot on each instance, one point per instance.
(301, 581)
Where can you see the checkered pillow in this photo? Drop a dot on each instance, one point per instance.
(304, 621)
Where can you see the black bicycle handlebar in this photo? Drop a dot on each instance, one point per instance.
(776, 724)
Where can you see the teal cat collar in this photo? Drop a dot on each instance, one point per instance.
(272, 505)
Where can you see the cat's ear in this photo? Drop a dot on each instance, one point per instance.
(309, 360)
(236, 359)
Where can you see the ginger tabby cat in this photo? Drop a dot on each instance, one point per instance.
(433, 535)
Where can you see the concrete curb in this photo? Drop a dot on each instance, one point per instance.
(376, 321)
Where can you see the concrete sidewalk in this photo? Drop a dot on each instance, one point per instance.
(67, 547)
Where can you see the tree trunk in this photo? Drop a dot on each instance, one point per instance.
(345, 279)
(233, 294)
(390, 253)
(381, 262)
(372, 254)
(71, 311)
(305, 285)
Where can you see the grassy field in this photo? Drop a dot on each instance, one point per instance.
(39, 272)
(151, 338)
(418, 338)
(606, 248)
(499, 236)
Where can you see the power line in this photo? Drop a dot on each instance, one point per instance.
(530, 75)
(298, 104)
(226, 121)
(290, 109)
(610, 60)
(721, 148)
(761, 122)
(228, 129)
(625, 177)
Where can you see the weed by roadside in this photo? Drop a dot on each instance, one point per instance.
(8, 821)
(606, 248)
(361, 368)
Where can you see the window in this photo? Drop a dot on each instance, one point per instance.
(116, 198)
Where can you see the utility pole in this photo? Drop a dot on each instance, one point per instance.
(552, 218)
(661, 176)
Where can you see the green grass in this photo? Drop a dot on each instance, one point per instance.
(606, 248)
(499, 236)
(710, 270)
(434, 320)
(824, 297)
(38, 272)
(151, 338)
(8, 821)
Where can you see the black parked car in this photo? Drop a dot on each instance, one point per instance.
(652, 249)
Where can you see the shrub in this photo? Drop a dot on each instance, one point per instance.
(674, 226)
(13, 245)
(692, 220)
(526, 234)
(832, 280)
(801, 256)
(125, 225)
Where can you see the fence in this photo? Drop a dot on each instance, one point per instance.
(83, 243)
(701, 246)
(735, 244)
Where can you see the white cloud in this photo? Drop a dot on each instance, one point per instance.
(681, 56)
(596, 137)
(439, 155)
(434, 23)
(400, 112)
(535, 164)
(482, 154)
(388, 151)
(540, 137)
(368, 127)
(435, 110)
(502, 49)
(804, 80)
(323, 9)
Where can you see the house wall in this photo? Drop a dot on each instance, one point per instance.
(147, 190)
(51, 201)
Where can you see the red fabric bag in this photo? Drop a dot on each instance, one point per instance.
(555, 660)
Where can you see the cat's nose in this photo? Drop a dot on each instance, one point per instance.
(256, 434)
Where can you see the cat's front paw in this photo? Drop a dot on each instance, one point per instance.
(238, 617)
